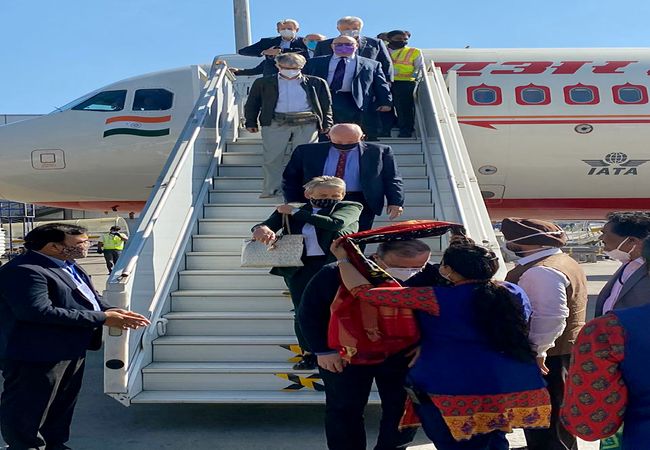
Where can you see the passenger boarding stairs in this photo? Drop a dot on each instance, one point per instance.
(221, 333)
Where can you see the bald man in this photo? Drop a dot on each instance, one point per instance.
(369, 170)
(358, 85)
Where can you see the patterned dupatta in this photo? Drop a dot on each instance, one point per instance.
(366, 334)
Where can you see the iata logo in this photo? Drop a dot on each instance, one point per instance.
(614, 164)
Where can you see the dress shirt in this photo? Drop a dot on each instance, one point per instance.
(285, 44)
(312, 248)
(291, 96)
(352, 175)
(68, 267)
(628, 270)
(546, 289)
(350, 66)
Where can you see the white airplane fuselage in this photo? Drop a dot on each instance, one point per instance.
(552, 133)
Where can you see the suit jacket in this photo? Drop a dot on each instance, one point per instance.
(256, 49)
(43, 316)
(263, 98)
(331, 224)
(635, 291)
(257, 70)
(370, 48)
(379, 174)
(368, 84)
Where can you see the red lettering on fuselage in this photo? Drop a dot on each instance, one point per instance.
(465, 69)
(524, 68)
(568, 67)
(478, 68)
(612, 66)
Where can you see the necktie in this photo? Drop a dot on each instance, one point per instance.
(340, 165)
(339, 74)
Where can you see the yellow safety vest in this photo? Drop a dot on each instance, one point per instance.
(404, 63)
(112, 242)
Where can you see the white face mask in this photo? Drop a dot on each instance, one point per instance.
(620, 255)
(402, 273)
(289, 34)
(351, 33)
(290, 73)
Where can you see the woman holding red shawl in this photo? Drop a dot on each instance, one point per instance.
(476, 377)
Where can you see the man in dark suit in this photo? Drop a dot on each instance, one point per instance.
(290, 107)
(370, 48)
(369, 170)
(288, 41)
(50, 314)
(358, 85)
(622, 238)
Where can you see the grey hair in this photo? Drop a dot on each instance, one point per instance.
(324, 181)
(350, 20)
(404, 249)
(293, 59)
(283, 21)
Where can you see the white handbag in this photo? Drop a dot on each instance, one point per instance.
(285, 251)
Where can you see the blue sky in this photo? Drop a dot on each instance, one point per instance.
(55, 51)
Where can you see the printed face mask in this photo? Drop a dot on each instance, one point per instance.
(323, 203)
(74, 251)
(402, 273)
(620, 255)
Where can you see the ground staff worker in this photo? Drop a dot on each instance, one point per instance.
(111, 245)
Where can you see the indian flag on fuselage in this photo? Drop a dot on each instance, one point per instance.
(137, 126)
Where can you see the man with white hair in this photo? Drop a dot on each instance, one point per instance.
(290, 107)
(288, 41)
(368, 47)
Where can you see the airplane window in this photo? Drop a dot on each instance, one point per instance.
(533, 95)
(152, 100)
(581, 95)
(104, 101)
(631, 94)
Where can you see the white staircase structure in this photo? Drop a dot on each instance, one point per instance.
(223, 334)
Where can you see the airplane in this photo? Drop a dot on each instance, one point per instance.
(552, 133)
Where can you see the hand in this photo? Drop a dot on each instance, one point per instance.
(394, 211)
(271, 52)
(285, 209)
(332, 362)
(541, 363)
(264, 234)
(414, 355)
(252, 129)
(120, 318)
(384, 108)
(337, 249)
(234, 70)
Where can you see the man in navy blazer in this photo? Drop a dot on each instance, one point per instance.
(358, 85)
(370, 48)
(288, 41)
(50, 314)
(369, 170)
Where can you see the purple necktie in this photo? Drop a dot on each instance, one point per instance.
(339, 74)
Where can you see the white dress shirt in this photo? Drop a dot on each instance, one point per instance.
(546, 289)
(291, 96)
(628, 270)
(312, 248)
(350, 66)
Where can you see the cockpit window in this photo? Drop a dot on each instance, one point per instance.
(152, 100)
(104, 101)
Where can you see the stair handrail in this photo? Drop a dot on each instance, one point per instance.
(146, 272)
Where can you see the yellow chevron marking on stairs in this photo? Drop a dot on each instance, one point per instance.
(294, 348)
(310, 382)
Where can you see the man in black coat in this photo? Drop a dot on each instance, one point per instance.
(50, 314)
(288, 41)
(369, 170)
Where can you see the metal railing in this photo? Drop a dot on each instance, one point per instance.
(452, 174)
(147, 271)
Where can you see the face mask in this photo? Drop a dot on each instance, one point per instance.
(74, 251)
(402, 273)
(289, 73)
(289, 34)
(351, 33)
(620, 255)
(311, 45)
(344, 147)
(397, 44)
(344, 49)
(323, 203)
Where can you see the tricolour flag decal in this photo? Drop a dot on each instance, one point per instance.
(137, 126)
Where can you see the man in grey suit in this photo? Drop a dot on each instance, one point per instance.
(622, 238)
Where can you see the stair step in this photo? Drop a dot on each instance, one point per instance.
(398, 146)
(212, 260)
(231, 349)
(257, 158)
(261, 211)
(222, 182)
(246, 197)
(255, 170)
(223, 279)
(228, 323)
(230, 300)
(301, 396)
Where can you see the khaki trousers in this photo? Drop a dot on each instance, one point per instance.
(275, 140)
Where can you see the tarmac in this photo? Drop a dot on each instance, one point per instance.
(101, 423)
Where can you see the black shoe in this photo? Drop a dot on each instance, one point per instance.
(307, 362)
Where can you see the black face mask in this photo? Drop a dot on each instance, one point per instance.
(344, 146)
(397, 44)
(323, 203)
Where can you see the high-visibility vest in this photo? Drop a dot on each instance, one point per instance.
(112, 242)
(404, 63)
